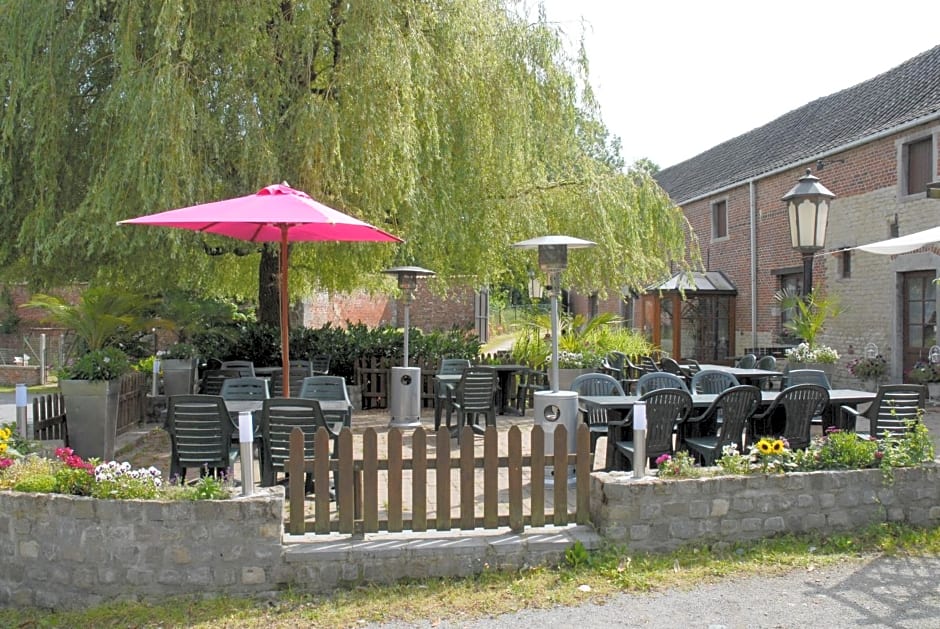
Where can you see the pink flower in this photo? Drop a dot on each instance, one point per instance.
(879, 454)
(662, 458)
(5, 463)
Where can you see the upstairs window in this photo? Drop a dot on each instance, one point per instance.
(719, 220)
(917, 161)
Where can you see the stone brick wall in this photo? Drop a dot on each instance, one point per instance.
(62, 552)
(655, 515)
(65, 551)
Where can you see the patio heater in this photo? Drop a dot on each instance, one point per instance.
(808, 212)
(404, 394)
(554, 406)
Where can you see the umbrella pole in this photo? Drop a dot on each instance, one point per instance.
(285, 332)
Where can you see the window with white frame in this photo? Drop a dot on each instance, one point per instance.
(720, 219)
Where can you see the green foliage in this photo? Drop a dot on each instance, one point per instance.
(103, 317)
(77, 481)
(913, 447)
(41, 483)
(9, 320)
(922, 373)
(734, 462)
(844, 450)
(808, 313)
(462, 127)
(582, 342)
(102, 364)
(261, 344)
(207, 487)
(682, 465)
(577, 555)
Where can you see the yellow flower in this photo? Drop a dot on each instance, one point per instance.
(5, 434)
(3, 448)
(777, 446)
(764, 446)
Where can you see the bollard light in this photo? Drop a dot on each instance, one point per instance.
(639, 440)
(246, 441)
(21, 407)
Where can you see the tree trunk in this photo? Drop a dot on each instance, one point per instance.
(268, 287)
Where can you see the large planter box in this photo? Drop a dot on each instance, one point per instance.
(828, 368)
(179, 376)
(567, 376)
(661, 515)
(91, 408)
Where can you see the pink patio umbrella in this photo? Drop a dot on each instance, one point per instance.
(277, 213)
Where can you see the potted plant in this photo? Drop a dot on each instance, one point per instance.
(928, 374)
(869, 368)
(179, 367)
(103, 319)
(808, 317)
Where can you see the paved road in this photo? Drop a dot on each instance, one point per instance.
(897, 592)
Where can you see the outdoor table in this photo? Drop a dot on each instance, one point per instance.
(504, 373)
(745, 376)
(622, 404)
(234, 407)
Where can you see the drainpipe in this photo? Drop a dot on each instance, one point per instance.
(752, 196)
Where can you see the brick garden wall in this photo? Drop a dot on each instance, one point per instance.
(428, 311)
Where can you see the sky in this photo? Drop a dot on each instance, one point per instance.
(675, 78)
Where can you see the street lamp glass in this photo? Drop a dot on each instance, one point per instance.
(808, 212)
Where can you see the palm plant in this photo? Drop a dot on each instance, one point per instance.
(809, 313)
(102, 317)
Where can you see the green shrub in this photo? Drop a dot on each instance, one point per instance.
(102, 364)
(40, 483)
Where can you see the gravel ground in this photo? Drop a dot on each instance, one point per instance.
(875, 592)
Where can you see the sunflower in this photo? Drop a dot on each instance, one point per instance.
(777, 446)
(764, 446)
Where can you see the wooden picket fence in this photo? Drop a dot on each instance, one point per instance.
(49, 418)
(356, 509)
(132, 401)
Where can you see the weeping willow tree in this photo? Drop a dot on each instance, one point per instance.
(460, 125)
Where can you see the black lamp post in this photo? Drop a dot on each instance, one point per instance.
(808, 212)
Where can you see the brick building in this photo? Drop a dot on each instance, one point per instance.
(461, 309)
(874, 145)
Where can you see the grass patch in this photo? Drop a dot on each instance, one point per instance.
(39, 389)
(584, 577)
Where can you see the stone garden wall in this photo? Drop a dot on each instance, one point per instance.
(655, 515)
(62, 552)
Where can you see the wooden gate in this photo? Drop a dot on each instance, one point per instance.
(513, 486)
